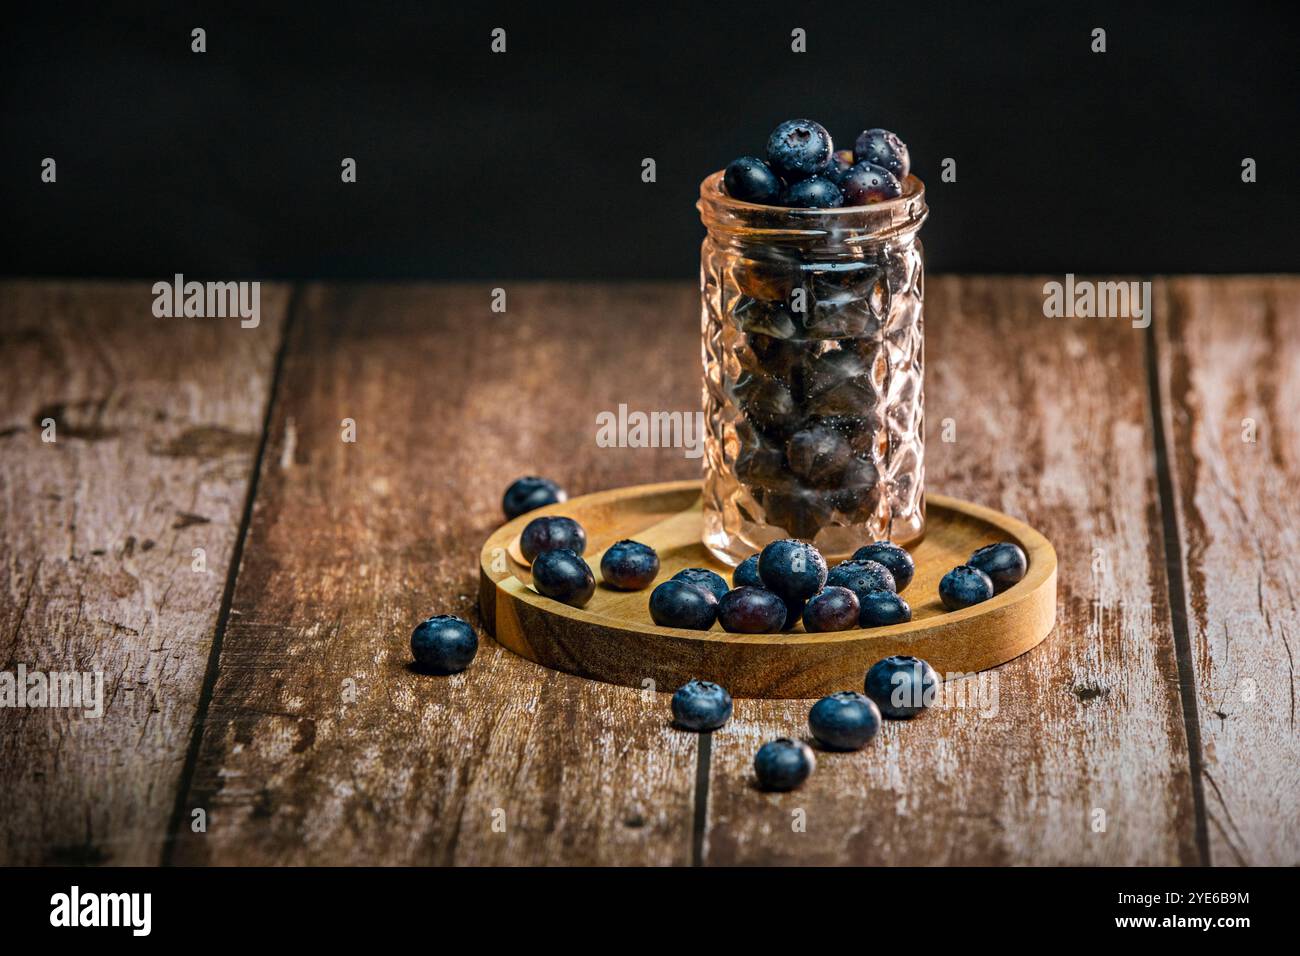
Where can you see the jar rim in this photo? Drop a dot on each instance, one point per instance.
(722, 213)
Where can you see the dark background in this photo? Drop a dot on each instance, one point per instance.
(474, 165)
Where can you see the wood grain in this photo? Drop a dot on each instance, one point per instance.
(1229, 353)
(157, 424)
(1049, 424)
(613, 638)
(322, 746)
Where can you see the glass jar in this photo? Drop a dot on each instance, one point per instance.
(813, 342)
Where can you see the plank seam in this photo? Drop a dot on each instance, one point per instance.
(228, 594)
(1174, 581)
(703, 759)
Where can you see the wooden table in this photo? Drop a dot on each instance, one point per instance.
(263, 679)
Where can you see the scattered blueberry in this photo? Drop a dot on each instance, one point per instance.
(861, 577)
(746, 573)
(551, 534)
(783, 764)
(711, 581)
(844, 721)
(751, 610)
(444, 644)
(629, 565)
(529, 493)
(883, 608)
(964, 586)
(831, 609)
(896, 559)
(884, 149)
(798, 149)
(681, 604)
(701, 705)
(901, 686)
(865, 183)
(816, 192)
(1005, 564)
(749, 179)
(563, 575)
(792, 568)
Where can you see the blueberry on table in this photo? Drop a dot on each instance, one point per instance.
(711, 581)
(529, 493)
(816, 192)
(783, 764)
(678, 603)
(794, 569)
(701, 705)
(749, 179)
(629, 565)
(564, 576)
(551, 534)
(443, 644)
(964, 586)
(1005, 564)
(746, 573)
(844, 721)
(751, 610)
(798, 149)
(896, 559)
(866, 183)
(882, 148)
(831, 609)
(901, 686)
(883, 608)
(861, 577)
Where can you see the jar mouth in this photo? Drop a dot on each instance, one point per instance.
(723, 214)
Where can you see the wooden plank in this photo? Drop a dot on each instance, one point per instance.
(321, 746)
(1050, 424)
(1229, 352)
(157, 423)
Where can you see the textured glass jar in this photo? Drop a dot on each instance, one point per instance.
(813, 342)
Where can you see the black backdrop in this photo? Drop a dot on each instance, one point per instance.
(527, 164)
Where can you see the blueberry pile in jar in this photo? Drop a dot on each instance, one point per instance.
(825, 397)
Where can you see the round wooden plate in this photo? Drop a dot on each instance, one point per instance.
(613, 639)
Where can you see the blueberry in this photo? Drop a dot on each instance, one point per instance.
(701, 705)
(883, 608)
(1005, 564)
(783, 764)
(831, 609)
(711, 581)
(532, 492)
(884, 149)
(564, 576)
(901, 686)
(818, 192)
(819, 455)
(551, 534)
(749, 179)
(864, 184)
(964, 586)
(793, 613)
(792, 568)
(629, 565)
(798, 149)
(841, 160)
(861, 577)
(751, 610)
(443, 644)
(844, 721)
(746, 573)
(897, 560)
(682, 604)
